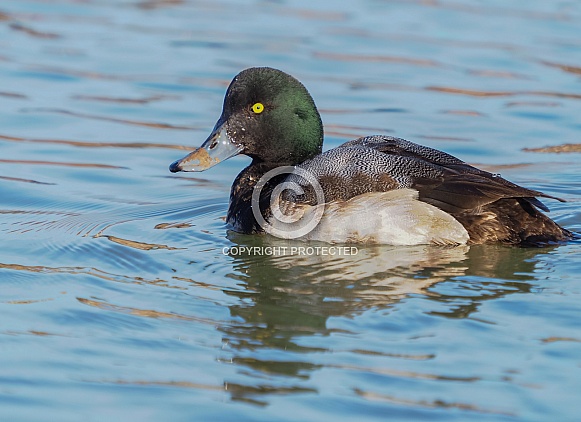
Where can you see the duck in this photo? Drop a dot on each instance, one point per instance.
(376, 189)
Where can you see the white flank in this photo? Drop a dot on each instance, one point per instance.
(396, 217)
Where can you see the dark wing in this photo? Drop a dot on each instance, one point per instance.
(381, 163)
(401, 147)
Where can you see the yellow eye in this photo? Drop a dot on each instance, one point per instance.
(258, 108)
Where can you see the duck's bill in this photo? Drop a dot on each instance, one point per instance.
(217, 148)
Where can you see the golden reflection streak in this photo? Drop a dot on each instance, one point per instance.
(393, 355)
(95, 144)
(375, 59)
(32, 333)
(497, 74)
(147, 313)
(475, 93)
(163, 226)
(60, 163)
(199, 283)
(557, 339)
(566, 68)
(497, 168)
(563, 148)
(18, 179)
(27, 302)
(181, 384)
(437, 404)
(109, 119)
(33, 32)
(87, 271)
(405, 374)
(138, 245)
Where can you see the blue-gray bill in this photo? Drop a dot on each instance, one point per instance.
(217, 148)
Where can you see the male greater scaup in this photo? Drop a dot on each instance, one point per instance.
(377, 189)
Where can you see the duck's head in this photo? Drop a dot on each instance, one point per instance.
(268, 116)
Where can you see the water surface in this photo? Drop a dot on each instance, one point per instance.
(118, 296)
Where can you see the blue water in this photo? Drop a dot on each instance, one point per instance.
(117, 299)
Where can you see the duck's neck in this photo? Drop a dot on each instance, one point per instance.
(240, 215)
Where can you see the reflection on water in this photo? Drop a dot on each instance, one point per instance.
(116, 296)
(364, 278)
(287, 298)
